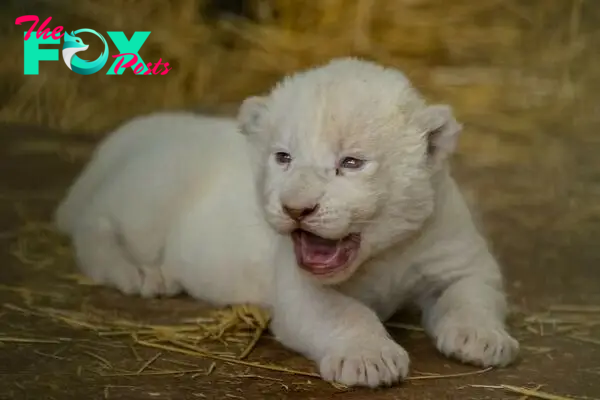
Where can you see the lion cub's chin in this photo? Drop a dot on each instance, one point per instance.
(330, 261)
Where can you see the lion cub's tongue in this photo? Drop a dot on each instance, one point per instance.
(317, 253)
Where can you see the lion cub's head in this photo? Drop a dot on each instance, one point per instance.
(347, 154)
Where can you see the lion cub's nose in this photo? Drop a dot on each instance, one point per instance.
(299, 213)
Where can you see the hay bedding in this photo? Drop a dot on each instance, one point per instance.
(224, 336)
(220, 61)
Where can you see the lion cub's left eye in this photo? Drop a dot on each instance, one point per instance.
(352, 163)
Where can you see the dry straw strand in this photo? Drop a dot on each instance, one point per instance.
(524, 391)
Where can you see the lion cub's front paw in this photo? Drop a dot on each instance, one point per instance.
(373, 362)
(482, 344)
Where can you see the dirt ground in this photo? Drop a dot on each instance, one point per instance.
(540, 211)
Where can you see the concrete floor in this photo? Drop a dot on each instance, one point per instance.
(540, 210)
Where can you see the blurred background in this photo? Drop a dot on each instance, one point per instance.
(507, 57)
(523, 77)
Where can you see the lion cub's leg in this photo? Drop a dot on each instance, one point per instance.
(102, 255)
(344, 337)
(465, 316)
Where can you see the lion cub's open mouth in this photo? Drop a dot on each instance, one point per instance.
(321, 256)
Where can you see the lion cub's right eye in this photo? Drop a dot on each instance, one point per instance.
(283, 158)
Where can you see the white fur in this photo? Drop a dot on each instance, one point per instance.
(175, 201)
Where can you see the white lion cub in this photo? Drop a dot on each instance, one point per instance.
(329, 201)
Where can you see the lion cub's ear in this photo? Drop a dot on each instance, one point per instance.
(442, 130)
(250, 114)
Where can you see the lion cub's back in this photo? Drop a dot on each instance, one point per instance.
(149, 160)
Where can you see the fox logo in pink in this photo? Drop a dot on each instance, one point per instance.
(128, 56)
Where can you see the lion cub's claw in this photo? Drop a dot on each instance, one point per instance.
(477, 344)
(378, 362)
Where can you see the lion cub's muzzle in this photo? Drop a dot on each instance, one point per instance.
(324, 257)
